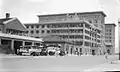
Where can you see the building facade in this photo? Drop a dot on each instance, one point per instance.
(110, 38)
(85, 30)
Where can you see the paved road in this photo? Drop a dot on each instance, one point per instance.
(69, 63)
(115, 66)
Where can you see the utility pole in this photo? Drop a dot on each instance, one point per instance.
(119, 36)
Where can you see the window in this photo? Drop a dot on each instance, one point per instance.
(106, 33)
(32, 26)
(87, 32)
(43, 26)
(78, 42)
(32, 32)
(109, 40)
(37, 31)
(87, 26)
(110, 30)
(87, 44)
(37, 37)
(43, 31)
(95, 21)
(110, 37)
(37, 26)
(48, 31)
(109, 33)
(90, 21)
(27, 26)
(48, 26)
(106, 40)
(27, 31)
(87, 37)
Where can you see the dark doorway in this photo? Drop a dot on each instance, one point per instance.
(17, 45)
(93, 52)
(80, 51)
(6, 43)
(6, 46)
(71, 51)
(108, 51)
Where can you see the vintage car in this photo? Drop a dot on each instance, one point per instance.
(43, 52)
(29, 50)
(24, 50)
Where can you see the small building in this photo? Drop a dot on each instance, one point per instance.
(110, 38)
(13, 34)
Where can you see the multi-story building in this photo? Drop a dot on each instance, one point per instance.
(85, 30)
(110, 38)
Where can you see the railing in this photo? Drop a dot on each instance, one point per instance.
(20, 34)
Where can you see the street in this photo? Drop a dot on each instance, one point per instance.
(68, 63)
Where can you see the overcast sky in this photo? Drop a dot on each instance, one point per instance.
(26, 10)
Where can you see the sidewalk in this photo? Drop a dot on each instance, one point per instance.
(12, 56)
(115, 66)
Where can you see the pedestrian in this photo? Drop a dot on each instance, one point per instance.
(106, 57)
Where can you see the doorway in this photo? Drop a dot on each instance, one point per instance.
(93, 52)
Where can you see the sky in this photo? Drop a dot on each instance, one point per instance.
(26, 10)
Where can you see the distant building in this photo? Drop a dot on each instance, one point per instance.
(85, 30)
(110, 38)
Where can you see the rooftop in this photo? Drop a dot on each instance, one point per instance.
(110, 24)
(94, 12)
(20, 37)
(4, 19)
(54, 22)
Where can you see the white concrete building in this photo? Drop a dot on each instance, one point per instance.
(86, 30)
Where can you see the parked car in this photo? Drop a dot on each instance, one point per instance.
(51, 51)
(62, 53)
(29, 50)
(24, 50)
(43, 52)
(35, 50)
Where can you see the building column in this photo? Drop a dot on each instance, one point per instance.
(23, 43)
(0, 41)
(83, 46)
(33, 43)
(12, 44)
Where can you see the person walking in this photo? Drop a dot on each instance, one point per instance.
(106, 57)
